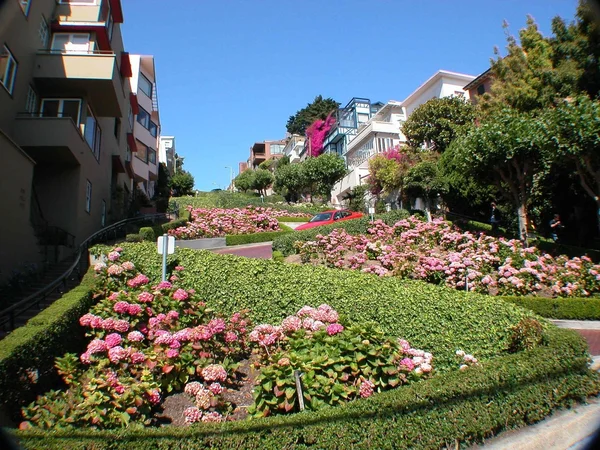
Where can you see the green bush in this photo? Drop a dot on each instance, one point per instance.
(147, 234)
(27, 354)
(285, 244)
(293, 219)
(239, 200)
(278, 256)
(241, 239)
(449, 409)
(560, 308)
(133, 238)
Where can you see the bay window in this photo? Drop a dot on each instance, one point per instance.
(93, 133)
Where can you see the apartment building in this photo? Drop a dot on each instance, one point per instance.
(264, 151)
(365, 135)
(64, 94)
(167, 153)
(294, 148)
(480, 85)
(146, 126)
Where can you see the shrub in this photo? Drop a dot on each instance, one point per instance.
(241, 239)
(561, 308)
(278, 256)
(527, 334)
(293, 219)
(147, 234)
(133, 238)
(285, 244)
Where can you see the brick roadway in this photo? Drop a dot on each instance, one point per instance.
(593, 339)
(256, 251)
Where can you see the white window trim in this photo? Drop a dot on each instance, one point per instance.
(31, 102)
(61, 102)
(78, 2)
(25, 5)
(149, 82)
(44, 33)
(97, 141)
(90, 42)
(3, 78)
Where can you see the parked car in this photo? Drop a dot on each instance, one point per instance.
(329, 217)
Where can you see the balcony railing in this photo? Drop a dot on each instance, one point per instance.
(359, 156)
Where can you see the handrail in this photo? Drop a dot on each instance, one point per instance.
(8, 315)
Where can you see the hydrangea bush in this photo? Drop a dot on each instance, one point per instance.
(216, 222)
(439, 253)
(337, 364)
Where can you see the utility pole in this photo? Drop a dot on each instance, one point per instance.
(230, 177)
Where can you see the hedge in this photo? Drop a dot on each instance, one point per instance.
(240, 239)
(285, 244)
(238, 200)
(27, 354)
(444, 411)
(153, 232)
(293, 219)
(560, 308)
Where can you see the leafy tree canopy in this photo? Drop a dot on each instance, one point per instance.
(319, 109)
(182, 183)
(437, 122)
(324, 171)
(244, 181)
(262, 180)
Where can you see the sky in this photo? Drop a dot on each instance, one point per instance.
(231, 72)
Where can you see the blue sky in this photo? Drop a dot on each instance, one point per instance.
(231, 72)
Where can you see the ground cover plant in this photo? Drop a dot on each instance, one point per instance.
(216, 222)
(438, 253)
(501, 389)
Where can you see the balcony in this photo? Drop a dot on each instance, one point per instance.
(50, 140)
(93, 75)
(373, 127)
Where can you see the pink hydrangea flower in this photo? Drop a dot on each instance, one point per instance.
(184, 335)
(118, 249)
(192, 388)
(215, 388)
(112, 340)
(115, 270)
(164, 338)
(135, 336)
(138, 281)
(153, 396)
(134, 309)
(137, 357)
(407, 363)
(216, 326)
(214, 372)
(202, 333)
(119, 389)
(121, 326)
(366, 389)
(291, 324)
(113, 256)
(212, 416)
(230, 336)
(128, 265)
(145, 297)
(114, 296)
(96, 322)
(173, 278)
(203, 398)
(334, 328)
(175, 343)
(164, 285)
(117, 354)
(121, 307)
(85, 358)
(86, 319)
(179, 268)
(99, 267)
(172, 315)
(180, 295)
(172, 353)
(192, 414)
(96, 346)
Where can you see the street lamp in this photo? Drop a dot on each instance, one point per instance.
(230, 178)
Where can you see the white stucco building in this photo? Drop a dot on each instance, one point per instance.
(382, 131)
(166, 152)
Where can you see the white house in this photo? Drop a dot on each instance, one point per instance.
(382, 131)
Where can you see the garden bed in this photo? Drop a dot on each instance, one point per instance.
(506, 390)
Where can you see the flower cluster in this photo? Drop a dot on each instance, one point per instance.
(466, 360)
(438, 253)
(206, 400)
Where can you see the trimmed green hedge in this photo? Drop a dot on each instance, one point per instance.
(285, 244)
(560, 308)
(451, 408)
(240, 239)
(153, 232)
(293, 219)
(239, 200)
(29, 351)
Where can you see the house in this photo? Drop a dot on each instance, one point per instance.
(64, 136)
(265, 151)
(167, 153)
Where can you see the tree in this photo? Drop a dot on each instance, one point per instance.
(573, 131)
(323, 172)
(319, 109)
(426, 181)
(182, 183)
(162, 191)
(506, 150)
(179, 163)
(384, 175)
(437, 122)
(290, 181)
(245, 180)
(262, 180)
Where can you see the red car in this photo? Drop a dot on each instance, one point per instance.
(329, 217)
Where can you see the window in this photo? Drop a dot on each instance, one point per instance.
(481, 89)
(93, 133)
(153, 129)
(88, 196)
(109, 23)
(151, 156)
(25, 6)
(145, 85)
(8, 69)
(71, 42)
(130, 118)
(44, 32)
(143, 118)
(117, 130)
(82, 2)
(103, 216)
(459, 93)
(142, 152)
(31, 103)
(61, 107)
(276, 149)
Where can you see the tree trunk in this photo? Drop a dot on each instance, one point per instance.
(522, 215)
(427, 209)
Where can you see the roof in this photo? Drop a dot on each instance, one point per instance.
(437, 76)
(482, 77)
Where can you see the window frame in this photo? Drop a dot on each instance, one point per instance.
(90, 46)
(151, 151)
(44, 23)
(25, 6)
(147, 125)
(78, 2)
(151, 126)
(103, 214)
(88, 196)
(142, 76)
(96, 144)
(146, 148)
(61, 108)
(31, 100)
(10, 88)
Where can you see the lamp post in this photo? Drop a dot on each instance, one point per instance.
(230, 178)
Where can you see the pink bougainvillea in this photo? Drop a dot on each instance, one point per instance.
(316, 134)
